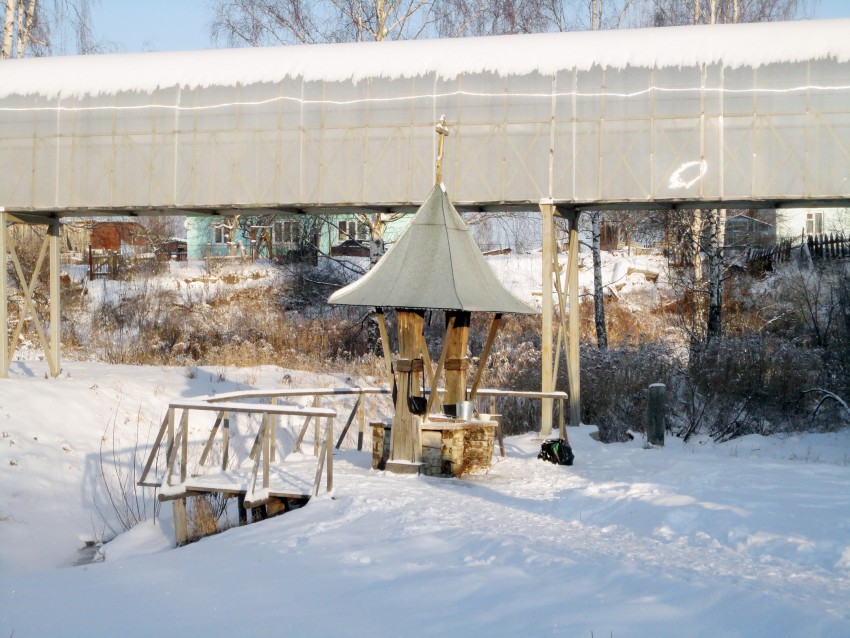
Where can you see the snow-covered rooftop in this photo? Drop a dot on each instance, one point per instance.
(733, 45)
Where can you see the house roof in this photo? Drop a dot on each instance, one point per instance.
(747, 218)
(435, 264)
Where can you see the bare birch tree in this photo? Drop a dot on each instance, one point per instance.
(49, 27)
(20, 17)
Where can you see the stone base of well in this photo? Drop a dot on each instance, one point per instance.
(449, 448)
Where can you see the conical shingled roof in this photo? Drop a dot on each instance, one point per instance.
(435, 264)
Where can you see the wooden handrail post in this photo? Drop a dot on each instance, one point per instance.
(225, 441)
(184, 446)
(170, 449)
(317, 402)
(273, 433)
(562, 429)
(361, 417)
(267, 438)
(329, 452)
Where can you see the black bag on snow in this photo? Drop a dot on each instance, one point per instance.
(556, 451)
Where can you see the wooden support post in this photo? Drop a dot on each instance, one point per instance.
(181, 522)
(243, 513)
(53, 359)
(4, 300)
(169, 450)
(562, 425)
(562, 311)
(547, 211)
(495, 416)
(655, 414)
(184, 445)
(573, 353)
(456, 362)
(405, 442)
(329, 453)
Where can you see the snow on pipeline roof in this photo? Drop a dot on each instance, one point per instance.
(733, 45)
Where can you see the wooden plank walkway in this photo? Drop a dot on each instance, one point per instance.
(291, 478)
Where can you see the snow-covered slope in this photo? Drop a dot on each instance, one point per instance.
(749, 538)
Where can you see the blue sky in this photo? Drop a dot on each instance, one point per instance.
(173, 25)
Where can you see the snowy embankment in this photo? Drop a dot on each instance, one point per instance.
(749, 538)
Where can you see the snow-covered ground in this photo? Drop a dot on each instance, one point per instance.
(749, 538)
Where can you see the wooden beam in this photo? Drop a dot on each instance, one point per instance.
(573, 359)
(434, 392)
(426, 358)
(4, 300)
(155, 449)
(350, 420)
(53, 358)
(274, 422)
(267, 442)
(562, 308)
(385, 343)
(485, 355)
(361, 422)
(317, 481)
(28, 288)
(317, 401)
(547, 212)
(184, 446)
(301, 434)
(211, 438)
(225, 441)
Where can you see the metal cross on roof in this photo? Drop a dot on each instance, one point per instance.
(442, 131)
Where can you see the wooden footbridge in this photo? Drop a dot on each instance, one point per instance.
(224, 465)
(242, 454)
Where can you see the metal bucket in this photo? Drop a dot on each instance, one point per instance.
(464, 409)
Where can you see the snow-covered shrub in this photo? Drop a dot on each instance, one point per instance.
(752, 384)
(615, 385)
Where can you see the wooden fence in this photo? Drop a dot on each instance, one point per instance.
(828, 246)
(822, 247)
